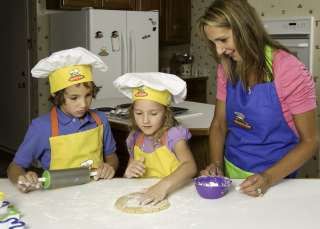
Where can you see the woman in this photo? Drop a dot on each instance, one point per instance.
(264, 126)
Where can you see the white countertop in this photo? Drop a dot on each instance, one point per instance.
(198, 118)
(292, 204)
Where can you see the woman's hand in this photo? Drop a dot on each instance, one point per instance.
(28, 182)
(104, 171)
(256, 185)
(136, 168)
(214, 169)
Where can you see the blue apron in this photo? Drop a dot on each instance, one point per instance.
(258, 134)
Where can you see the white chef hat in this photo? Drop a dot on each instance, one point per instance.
(156, 86)
(68, 67)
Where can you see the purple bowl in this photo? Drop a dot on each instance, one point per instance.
(212, 187)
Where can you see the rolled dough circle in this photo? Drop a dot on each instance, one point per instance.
(130, 204)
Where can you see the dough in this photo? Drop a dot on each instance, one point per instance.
(130, 204)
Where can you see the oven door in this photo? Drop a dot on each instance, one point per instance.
(299, 47)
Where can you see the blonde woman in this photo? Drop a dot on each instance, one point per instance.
(264, 126)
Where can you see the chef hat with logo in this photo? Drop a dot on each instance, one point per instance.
(156, 86)
(68, 67)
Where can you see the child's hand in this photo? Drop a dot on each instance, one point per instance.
(154, 194)
(28, 182)
(212, 170)
(104, 171)
(136, 168)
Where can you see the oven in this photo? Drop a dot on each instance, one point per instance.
(296, 34)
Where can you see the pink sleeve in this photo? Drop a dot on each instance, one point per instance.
(294, 85)
(221, 84)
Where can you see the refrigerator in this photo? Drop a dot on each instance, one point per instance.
(127, 41)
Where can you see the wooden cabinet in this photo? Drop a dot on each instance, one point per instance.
(175, 22)
(197, 89)
(146, 5)
(119, 4)
(99, 4)
(72, 4)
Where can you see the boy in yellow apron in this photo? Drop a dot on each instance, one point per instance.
(157, 144)
(71, 135)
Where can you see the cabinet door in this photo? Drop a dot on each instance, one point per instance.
(72, 4)
(197, 89)
(175, 21)
(146, 5)
(119, 4)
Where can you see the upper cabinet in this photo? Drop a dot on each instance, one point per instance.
(174, 15)
(73, 4)
(119, 4)
(99, 4)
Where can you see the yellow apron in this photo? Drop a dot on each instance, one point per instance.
(78, 149)
(160, 163)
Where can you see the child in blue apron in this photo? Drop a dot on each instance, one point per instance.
(71, 135)
(157, 144)
(264, 126)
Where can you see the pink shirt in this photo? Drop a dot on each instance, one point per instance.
(294, 85)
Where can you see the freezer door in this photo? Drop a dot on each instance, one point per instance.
(143, 41)
(107, 36)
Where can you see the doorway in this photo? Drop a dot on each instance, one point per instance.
(17, 90)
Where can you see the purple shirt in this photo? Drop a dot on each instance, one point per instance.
(175, 134)
(36, 145)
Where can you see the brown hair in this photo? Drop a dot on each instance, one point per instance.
(168, 122)
(58, 98)
(250, 39)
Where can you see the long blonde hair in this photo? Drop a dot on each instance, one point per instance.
(168, 122)
(249, 36)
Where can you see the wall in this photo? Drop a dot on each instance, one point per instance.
(266, 9)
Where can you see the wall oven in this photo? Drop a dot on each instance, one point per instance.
(296, 34)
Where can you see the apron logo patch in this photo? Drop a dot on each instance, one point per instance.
(239, 119)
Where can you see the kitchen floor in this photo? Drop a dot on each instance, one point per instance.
(5, 159)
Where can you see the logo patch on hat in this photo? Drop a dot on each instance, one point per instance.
(141, 93)
(75, 75)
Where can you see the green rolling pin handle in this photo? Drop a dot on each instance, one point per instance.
(46, 178)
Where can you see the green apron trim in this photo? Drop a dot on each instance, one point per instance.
(268, 55)
(234, 172)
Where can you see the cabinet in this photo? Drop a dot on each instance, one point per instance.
(197, 89)
(99, 4)
(72, 4)
(146, 5)
(175, 22)
(174, 15)
(119, 4)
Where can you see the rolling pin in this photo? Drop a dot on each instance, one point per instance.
(52, 179)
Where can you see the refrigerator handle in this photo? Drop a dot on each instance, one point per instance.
(124, 63)
(132, 49)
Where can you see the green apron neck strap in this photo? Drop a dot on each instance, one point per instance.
(268, 55)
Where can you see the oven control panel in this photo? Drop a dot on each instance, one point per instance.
(289, 26)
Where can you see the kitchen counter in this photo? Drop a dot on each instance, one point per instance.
(197, 118)
(293, 203)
